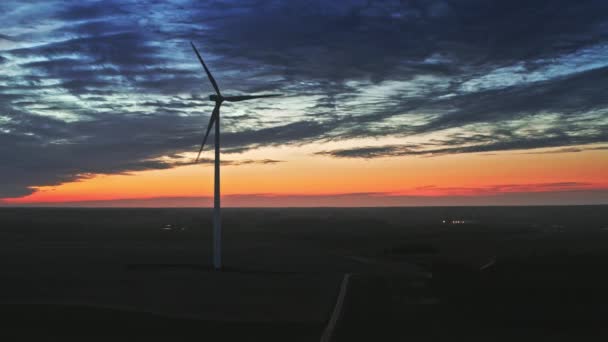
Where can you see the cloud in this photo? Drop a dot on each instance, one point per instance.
(432, 190)
(491, 145)
(238, 162)
(112, 87)
(346, 40)
(580, 93)
(370, 151)
(5, 37)
(104, 145)
(570, 150)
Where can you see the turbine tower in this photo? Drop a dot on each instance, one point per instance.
(218, 98)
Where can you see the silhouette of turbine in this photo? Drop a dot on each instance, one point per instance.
(218, 98)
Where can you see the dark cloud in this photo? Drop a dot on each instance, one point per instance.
(570, 150)
(253, 161)
(377, 38)
(65, 155)
(121, 49)
(370, 151)
(92, 10)
(101, 62)
(489, 145)
(225, 162)
(579, 93)
(9, 38)
(108, 145)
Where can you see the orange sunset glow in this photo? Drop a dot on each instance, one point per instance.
(302, 175)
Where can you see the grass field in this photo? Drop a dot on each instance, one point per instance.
(121, 273)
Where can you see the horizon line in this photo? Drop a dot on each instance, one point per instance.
(44, 206)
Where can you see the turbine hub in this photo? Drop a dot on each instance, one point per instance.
(216, 98)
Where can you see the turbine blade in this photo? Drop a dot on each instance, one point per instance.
(217, 89)
(214, 115)
(248, 97)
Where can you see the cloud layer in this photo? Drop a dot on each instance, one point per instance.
(112, 86)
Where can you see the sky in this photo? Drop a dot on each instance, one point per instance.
(385, 103)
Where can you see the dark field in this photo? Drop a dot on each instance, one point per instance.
(506, 273)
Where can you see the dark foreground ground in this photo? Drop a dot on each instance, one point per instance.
(515, 273)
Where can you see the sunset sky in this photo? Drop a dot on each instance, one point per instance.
(385, 103)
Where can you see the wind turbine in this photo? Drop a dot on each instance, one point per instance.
(218, 98)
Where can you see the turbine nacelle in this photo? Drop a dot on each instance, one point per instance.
(216, 98)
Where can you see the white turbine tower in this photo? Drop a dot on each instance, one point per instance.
(218, 98)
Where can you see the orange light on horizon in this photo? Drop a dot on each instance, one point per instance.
(302, 173)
